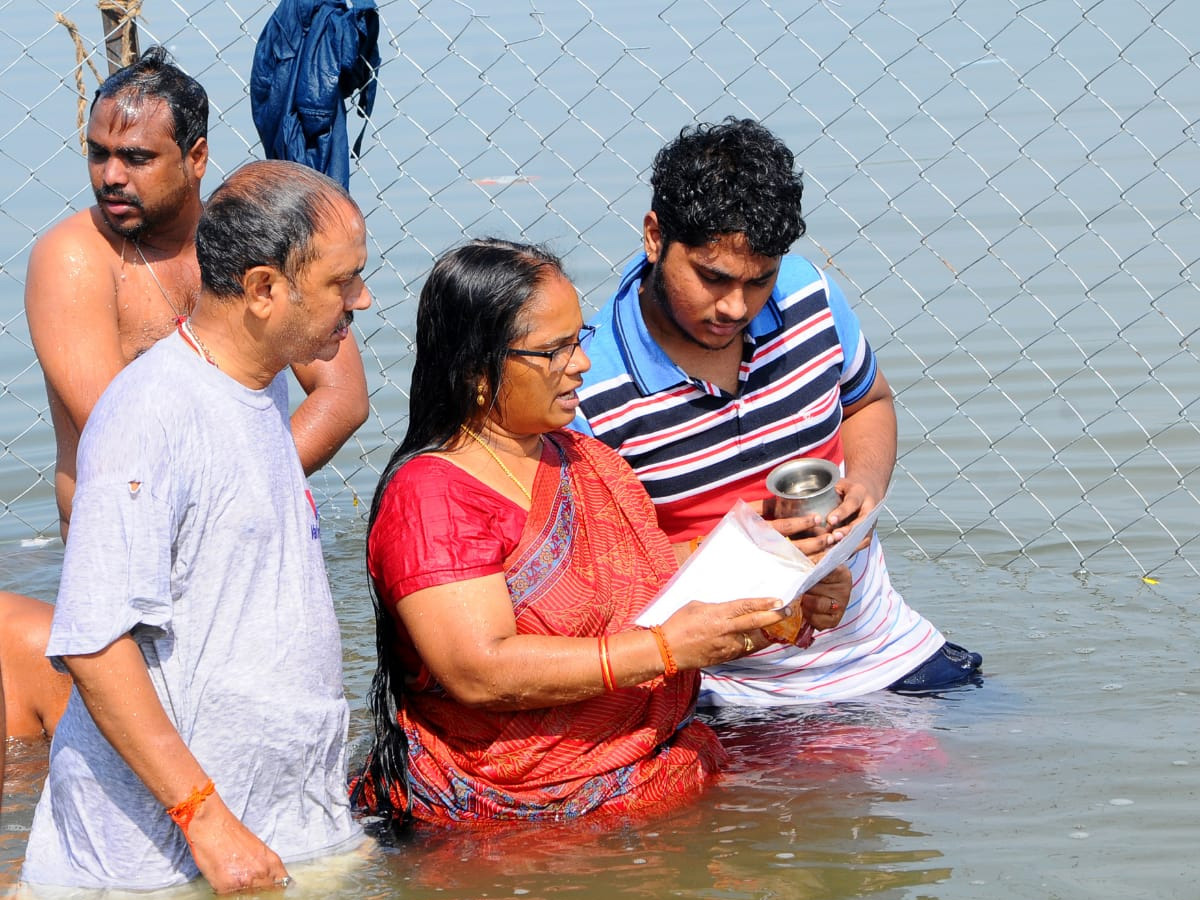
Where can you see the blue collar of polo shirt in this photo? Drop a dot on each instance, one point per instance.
(652, 370)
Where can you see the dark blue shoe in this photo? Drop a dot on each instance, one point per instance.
(951, 666)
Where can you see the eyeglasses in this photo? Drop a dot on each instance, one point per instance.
(560, 357)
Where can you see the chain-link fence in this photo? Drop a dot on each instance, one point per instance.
(1006, 190)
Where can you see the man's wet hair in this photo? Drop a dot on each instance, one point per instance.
(732, 177)
(153, 76)
(266, 213)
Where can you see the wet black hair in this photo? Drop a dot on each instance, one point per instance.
(154, 76)
(733, 177)
(471, 310)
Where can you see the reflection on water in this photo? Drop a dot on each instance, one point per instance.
(806, 810)
(24, 772)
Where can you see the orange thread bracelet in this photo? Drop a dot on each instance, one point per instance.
(606, 673)
(183, 812)
(669, 667)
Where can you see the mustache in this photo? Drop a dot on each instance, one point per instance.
(106, 193)
(346, 320)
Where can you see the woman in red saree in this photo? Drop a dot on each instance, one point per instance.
(508, 559)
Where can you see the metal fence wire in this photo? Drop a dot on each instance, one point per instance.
(1006, 190)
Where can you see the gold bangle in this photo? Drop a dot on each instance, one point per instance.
(664, 650)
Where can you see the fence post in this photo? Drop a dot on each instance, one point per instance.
(120, 31)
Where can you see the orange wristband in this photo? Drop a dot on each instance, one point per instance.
(664, 650)
(184, 811)
(606, 673)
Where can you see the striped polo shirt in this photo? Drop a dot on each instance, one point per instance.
(697, 448)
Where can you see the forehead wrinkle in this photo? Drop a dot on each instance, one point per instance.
(129, 109)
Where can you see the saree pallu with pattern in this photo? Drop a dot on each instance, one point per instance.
(588, 561)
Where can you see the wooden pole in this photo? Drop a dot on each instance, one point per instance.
(120, 32)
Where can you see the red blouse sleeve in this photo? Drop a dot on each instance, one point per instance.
(437, 525)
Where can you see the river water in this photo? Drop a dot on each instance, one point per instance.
(1034, 318)
(1071, 773)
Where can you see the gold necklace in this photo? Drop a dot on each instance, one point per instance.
(492, 453)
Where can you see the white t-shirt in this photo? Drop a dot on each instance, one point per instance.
(879, 640)
(194, 529)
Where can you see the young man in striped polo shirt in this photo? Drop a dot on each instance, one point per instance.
(720, 357)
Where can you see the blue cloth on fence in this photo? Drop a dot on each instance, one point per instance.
(311, 56)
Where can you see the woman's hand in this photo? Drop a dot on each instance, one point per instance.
(822, 607)
(707, 634)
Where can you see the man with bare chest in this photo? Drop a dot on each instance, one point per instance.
(105, 284)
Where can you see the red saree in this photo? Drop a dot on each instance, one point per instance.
(587, 561)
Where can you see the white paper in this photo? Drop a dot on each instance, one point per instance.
(745, 557)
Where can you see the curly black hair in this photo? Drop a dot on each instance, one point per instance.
(733, 177)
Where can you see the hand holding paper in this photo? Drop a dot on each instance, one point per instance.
(745, 557)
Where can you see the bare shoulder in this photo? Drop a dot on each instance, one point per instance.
(79, 233)
(24, 620)
(72, 252)
(34, 693)
(71, 289)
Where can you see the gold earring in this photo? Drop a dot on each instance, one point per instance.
(479, 398)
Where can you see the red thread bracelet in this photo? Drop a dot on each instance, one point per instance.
(664, 650)
(184, 811)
